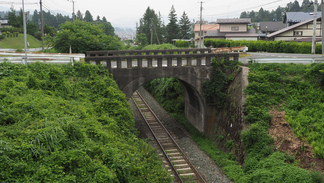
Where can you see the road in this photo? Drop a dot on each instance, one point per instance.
(253, 56)
(42, 57)
(282, 58)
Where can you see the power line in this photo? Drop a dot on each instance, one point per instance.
(247, 8)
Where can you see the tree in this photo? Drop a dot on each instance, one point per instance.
(84, 36)
(104, 19)
(49, 30)
(172, 28)
(32, 28)
(142, 39)
(14, 19)
(147, 28)
(88, 17)
(278, 14)
(185, 27)
(79, 15)
(98, 18)
(244, 14)
(107, 28)
(293, 7)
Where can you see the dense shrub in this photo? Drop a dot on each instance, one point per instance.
(64, 123)
(169, 93)
(292, 88)
(265, 46)
(164, 46)
(182, 44)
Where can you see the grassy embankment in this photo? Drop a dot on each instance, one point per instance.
(18, 42)
(64, 123)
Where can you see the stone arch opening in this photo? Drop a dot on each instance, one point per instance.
(193, 104)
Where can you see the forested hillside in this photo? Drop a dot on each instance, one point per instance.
(64, 123)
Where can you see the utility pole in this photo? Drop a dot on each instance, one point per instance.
(73, 14)
(314, 28)
(322, 25)
(25, 32)
(157, 37)
(151, 28)
(42, 25)
(200, 33)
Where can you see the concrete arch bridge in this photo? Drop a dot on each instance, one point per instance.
(192, 67)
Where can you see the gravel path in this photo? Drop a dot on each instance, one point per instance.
(211, 172)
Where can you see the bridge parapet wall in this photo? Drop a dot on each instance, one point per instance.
(146, 52)
(156, 58)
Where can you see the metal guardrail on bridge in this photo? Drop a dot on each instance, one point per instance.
(156, 58)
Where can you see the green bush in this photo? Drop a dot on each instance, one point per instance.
(182, 44)
(64, 123)
(265, 46)
(295, 89)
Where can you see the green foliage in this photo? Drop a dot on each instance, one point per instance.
(266, 46)
(225, 160)
(182, 44)
(168, 92)
(164, 46)
(295, 89)
(142, 39)
(172, 28)
(64, 123)
(32, 29)
(215, 89)
(151, 21)
(186, 27)
(275, 169)
(82, 37)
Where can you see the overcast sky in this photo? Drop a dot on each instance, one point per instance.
(125, 13)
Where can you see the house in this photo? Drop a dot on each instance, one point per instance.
(301, 32)
(3, 23)
(292, 18)
(233, 29)
(270, 27)
(204, 29)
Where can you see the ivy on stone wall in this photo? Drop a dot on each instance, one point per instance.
(215, 88)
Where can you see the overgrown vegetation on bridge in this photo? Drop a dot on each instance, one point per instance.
(266, 46)
(64, 123)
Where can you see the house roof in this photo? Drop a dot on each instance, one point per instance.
(234, 21)
(4, 22)
(291, 27)
(206, 27)
(296, 17)
(271, 26)
(216, 33)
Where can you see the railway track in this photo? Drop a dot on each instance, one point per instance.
(171, 154)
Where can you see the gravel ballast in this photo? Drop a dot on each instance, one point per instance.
(206, 166)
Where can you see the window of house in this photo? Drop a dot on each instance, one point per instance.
(298, 33)
(235, 28)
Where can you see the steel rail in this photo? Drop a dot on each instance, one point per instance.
(198, 176)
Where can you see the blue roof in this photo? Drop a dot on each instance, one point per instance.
(296, 17)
